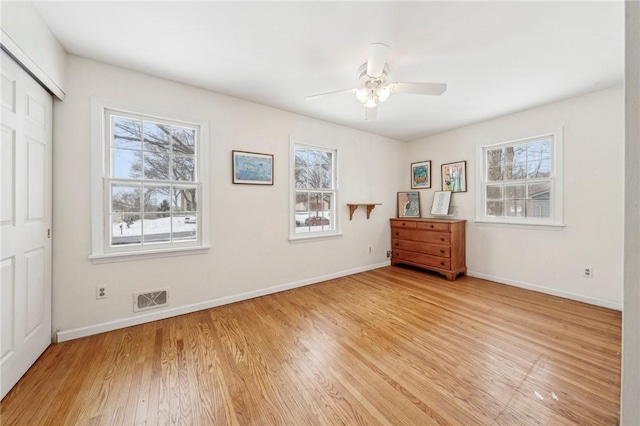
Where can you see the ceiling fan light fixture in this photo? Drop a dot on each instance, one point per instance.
(383, 93)
(371, 102)
(362, 94)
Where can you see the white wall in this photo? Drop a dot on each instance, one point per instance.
(30, 34)
(548, 260)
(249, 224)
(630, 400)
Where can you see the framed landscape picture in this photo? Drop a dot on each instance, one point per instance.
(454, 177)
(252, 168)
(421, 175)
(409, 204)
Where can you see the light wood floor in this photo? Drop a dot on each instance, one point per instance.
(389, 346)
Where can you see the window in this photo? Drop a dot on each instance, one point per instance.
(314, 192)
(521, 181)
(149, 185)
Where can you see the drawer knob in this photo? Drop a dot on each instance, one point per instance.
(442, 251)
(442, 263)
(397, 233)
(430, 226)
(397, 244)
(441, 239)
(403, 224)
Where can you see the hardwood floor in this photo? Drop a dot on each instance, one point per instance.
(389, 346)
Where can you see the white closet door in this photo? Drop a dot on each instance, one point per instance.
(25, 221)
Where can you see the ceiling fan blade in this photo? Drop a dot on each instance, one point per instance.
(370, 113)
(322, 95)
(377, 58)
(435, 89)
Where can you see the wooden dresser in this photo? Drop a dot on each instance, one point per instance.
(434, 244)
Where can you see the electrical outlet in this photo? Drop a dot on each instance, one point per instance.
(388, 254)
(101, 292)
(587, 272)
(370, 249)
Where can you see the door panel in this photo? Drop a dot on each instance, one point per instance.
(25, 218)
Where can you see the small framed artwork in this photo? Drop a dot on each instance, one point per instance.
(409, 204)
(421, 175)
(454, 177)
(252, 168)
(441, 201)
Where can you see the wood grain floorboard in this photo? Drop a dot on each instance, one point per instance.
(390, 346)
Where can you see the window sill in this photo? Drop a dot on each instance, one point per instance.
(309, 238)
(517, 225)
(147, 254)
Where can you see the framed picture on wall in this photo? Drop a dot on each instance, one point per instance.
(409, 204)
(252, 168)
(421, 175)
(454, 177)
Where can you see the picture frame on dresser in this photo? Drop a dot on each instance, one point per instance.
(409, 204)
(421, 175)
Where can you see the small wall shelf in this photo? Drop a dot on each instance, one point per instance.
(354, 206)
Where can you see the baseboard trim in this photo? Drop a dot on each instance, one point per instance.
(546, 290)
(76, 333)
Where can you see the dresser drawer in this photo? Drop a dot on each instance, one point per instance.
(425, 248)
(441, 227)
(403, 224)
(423, 259)
(442, 238)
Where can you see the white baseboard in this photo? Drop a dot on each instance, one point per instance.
(546, 290)
(76, 333)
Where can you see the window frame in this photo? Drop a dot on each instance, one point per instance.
(315, 235)
(555, 220)
(102, 250)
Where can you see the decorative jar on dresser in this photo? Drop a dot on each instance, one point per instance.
(434, 244)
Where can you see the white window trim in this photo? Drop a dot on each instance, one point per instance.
(99, 197)
(556, 222)
(314, 236)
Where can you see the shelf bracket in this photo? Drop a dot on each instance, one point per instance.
(354, 207)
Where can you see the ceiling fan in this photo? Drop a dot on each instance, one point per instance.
(374, 88)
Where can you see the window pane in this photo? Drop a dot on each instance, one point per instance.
(185, 227)
(514, 208)
(156, 137)
(156, 229)
(539, 190)
(494, 208)
(184, 199)
(315, 202)
(184, 168)
(514, 191)
(315, 158)
(302, 201)
(327, 160)
(515, 154)
(301, 222)
(156, 166)
(539, 168)
(125, 229)
(184, 141)
(539, 150)
(126, 163)
(301, 158)
(127, 133)
(125, 198)
(538, 208)
(329, 223)
(316, 222)
(495, 174)
(156, 199)
(495, 158)
(327, 199)
(494, 192)
(516, 171)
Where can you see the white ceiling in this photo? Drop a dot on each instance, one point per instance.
(496, 57)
